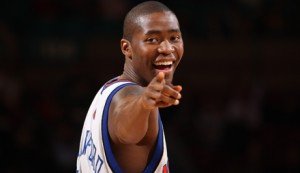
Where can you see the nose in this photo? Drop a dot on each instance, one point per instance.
(166, 47)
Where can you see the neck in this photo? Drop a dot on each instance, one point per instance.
(130, 74)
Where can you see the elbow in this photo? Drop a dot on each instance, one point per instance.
(128, 140)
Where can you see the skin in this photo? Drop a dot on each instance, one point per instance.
(133, 115)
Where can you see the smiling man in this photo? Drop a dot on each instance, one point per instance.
(123, 131)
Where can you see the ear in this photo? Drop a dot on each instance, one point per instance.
(126, 48)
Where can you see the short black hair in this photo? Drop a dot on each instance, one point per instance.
(141, 9)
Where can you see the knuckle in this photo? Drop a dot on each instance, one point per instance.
(157, 95)
(160, 87)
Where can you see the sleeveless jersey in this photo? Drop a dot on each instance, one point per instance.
(95, 152)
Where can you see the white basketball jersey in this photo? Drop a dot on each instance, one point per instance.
(95, 153)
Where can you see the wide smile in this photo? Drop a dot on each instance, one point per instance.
(164, 66)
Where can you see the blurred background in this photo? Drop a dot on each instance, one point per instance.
(240, 76)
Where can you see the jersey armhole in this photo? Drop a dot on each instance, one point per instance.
(111, 160)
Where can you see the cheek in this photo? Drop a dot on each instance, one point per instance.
(180, 50)
(145, 58)
(144, 55)
(140, 63)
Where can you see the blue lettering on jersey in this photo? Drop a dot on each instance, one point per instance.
(90, 146)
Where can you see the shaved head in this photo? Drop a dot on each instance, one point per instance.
(145, 8)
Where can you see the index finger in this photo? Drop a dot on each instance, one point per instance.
(158, 82)
(160, 77)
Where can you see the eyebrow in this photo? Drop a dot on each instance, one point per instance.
(153, 32)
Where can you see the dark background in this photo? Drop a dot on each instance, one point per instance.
(240, 76)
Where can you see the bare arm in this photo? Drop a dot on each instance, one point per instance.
(132, 106)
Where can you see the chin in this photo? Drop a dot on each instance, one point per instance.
(169, 79)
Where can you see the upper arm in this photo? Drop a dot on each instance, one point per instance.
(120, 100)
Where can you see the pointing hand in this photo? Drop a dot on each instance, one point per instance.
(160, 94)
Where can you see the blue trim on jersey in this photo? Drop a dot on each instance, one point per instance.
(158, 152)
(108, 151)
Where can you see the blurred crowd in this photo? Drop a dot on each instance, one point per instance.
(240, 75)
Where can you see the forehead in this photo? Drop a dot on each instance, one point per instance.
(159, 21)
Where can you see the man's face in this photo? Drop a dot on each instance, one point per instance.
(157, 46)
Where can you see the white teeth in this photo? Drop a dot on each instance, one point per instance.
(164, 63)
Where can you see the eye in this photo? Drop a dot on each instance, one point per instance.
(175, 38)
(152, 40)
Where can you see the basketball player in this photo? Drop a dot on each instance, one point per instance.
(123, 131)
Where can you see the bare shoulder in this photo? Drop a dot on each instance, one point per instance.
(131, 90)
(125, 95)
